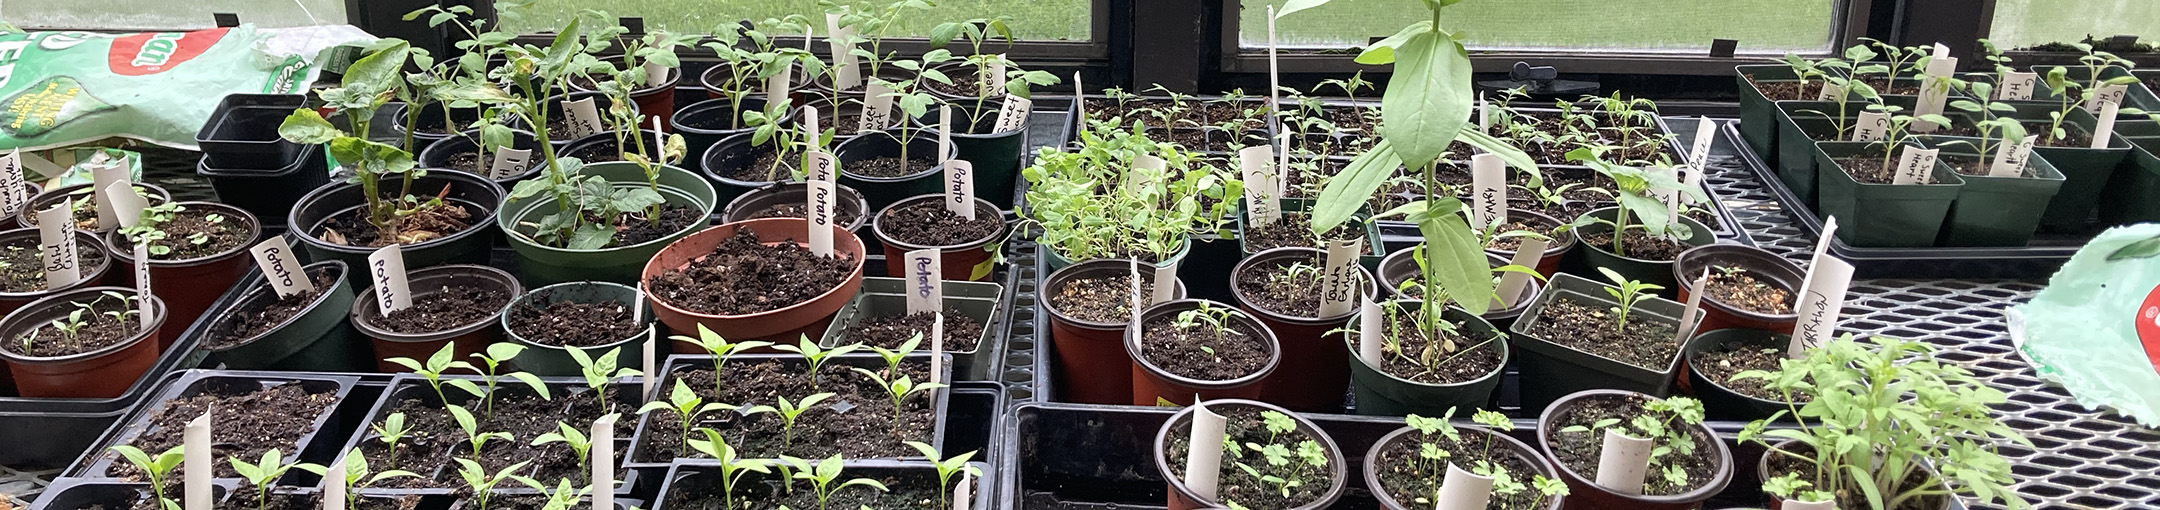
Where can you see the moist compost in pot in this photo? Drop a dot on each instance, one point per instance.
(1714, 357)
(962, 334)
(1226, 354)
(736, 165)
(590, 317)
(1748, 287)
(1709, 467)
(457, 304)
(22, 267)
(743, 276)
(565, 323)
(351, 227)
(85, 209)
(1401, 479)
(856, 422)
(1245, 422)
(1279, 288)
(1294, 229)
(964, 246)
(1090, 306)
(1644, 342)
(1647, 258)
(246, 424)
(1557, 239)
(201, 253)
(104, 356)
(434, 438)
(791, 200)
(305, 331)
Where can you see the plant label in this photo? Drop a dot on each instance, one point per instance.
(1370, 324)
(1820, 303)
(2017, 86)
(1282, 164)
(195, 464)
(1274, 78)
(1934, 92)
(1671, 198)
(1339, 291)
(1203, 465)
(944, 133)
(1462, 489)
(1165, 284)
(14, 193)
(810, 123)
(1915, 166)
(1014, 114)
(1941, 51)
(877, 108)
(822, 167)
(1794, 504)
(584, 117)
(937, 345)
(1693, 309)
(847, 70)
(1513, 283)
(994, 81)
(2103, 95)
(926, 289)
(44, 167)
(602, 459)
(1133, 282)
(1260, 195)
(1699, 152)
(1144, 169)
(960, 188)
(142, 283)
(1623, 461)
(2010, 158)
(508, 162)
(776, 86)
(1488, 177)
(127, 204)
(964, 492)
(333, 497)
(2104, 132)
(387, 267)
(1872, 126)
(655, 74)
(104, 172)
(651, 376)
(1830, 92)
(56, 239)
(821, 215)
(1079, 100)
(1484, 114)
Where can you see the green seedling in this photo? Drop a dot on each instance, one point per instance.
(155, 469)
(1211, 319)
(899, 388)
(893, 356)
(720, 349)
(1669, 423)
(788, 411)
(571, 437)
(493, 359)
(482, 483)
(433, 370)
(816, 356)
(390, 432)
(946, 468)
(598, 371)
(687, 406)
(473, 435)
(1628, 293)
(823, 475)
(732, 467)
(357, 476)
(265, 472)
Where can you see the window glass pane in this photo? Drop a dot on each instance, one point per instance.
(2025, 23)
(1761, 26)
(168, 14)
(1031, 19)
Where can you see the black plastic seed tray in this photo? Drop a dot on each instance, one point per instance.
(317, 446)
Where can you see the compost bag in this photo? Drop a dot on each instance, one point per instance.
(2095, 329)
(64, 88)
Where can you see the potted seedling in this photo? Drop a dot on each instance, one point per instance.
(1502, 239)
(85, 343)
(1801, 124)
(993, 149)
(734, 86)
(1675, 461)
(809, 401)
(1292, 228)
(814, 484)
(1089, 307)
(196, 251)
(84, 209)
(1889, 69)
(589, 318)
(2066, 140)
(248, 415)
(770, 152)
(1639, 236)
(1583, 334)
(1288, 291)
(1400, 272)
(1421, 363)
(887, 315)
(648, 70)
(449, 305)
(1798, 79)
(756, 279)
(1268, 458)
(306, 330)
(22, 265)
(1714, 357)
(893, 163)
(1748, 287)
(1189, 347)
(1407, 468)
(2007, 185)
(1082, 220)
(1905, 191)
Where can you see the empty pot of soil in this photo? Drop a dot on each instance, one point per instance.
(1576, 451)
(1714, 357)
(879, 317)
(1855, 178)
(790, 199)
(1641, 256)
(965, 247)
(891, 165)
(24, 274)
(303, 332)
(754, 279)
(546, 258)
(737, 164)
(1090, 306)
(85, 210)
(655, 99)
(1284, 288)
(1321, 480)
(1749, 287)
(1994, 211)
(331, 223)
(1195, 348)
(995, 154)
(197, 250)
(1570, 341)
(591, 317)
(1401, 479)
(97, 357)
(455, 303)
(1415, 374)
(463, 153)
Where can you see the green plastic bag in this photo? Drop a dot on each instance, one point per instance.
(2095, 329)
(65, 88)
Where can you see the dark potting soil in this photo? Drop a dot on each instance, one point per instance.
(605, 151)
(1902, 88)
(1969, 165)
(965, 83)
(1639, 244)
(2071, 137)
(857, 421)
(1647, 342)
(674, 218)
(1578, 451)
(1295, 229)
(889, 166)
(245, 425)
(928, 223)
(743, 276)
(353, 229)
(566, 323)
(1749, 293)
(1422, 360)
(1238, 351)
(766, 167)
(1530, 224)
(1276, 287)
(446, 309)
(194, 233)
(245, 500)
(1722, 362)
(471, 162)
(1781, 465)
(1870, 169)
(1788, 91)
(1245, 424)
(1412, 479)
(246, 324)
(85, 209)
(22, 267)
(1190, 139)
(908, 490)
(962, 333)
(1106, 299)
(97, 330)
(850, 122)
(433, 438)
(843, 216)
(559, 127)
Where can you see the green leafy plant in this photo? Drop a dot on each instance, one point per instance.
(432, 371)
(2072, 94)
(369, 83)
(1627, 292)
(720, 349)
(1790, 486)
(899, 387)
(580, 445)
(946, 468)
(1283, 466)
(149, 228)
(894, 356)
(154, 469)
(823, 475)
(1668, 423)
(358, 476)
(492, 360)
(1082, 219)
(788, 412)
(598, 371)
(1211, 320)
(563, 497)
(473, 435)
(1433, 457)
(482, 483)
(390, 432)
(816, 356)
(978, 32)
(1636, 210)
(687, 406)
(265, 472)
(732, 466)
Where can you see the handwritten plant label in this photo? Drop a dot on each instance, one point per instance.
(1133, 279)
(1623, 462)
(279, 266)
(127, 204)
(1934, 92)
(1693, 309)
(1488, 179)
(196, 464)
(2104, 133)
(1204, 465)
(960, 188)
(508, 162)
(603, 472)
(1915, 166)
(1699, 151)
(2103, 95)
(1671, 198)
(14, 193)
(1820, 303)
(1014, 114)
(1871, 127)
(1370, 342)
(877, 108)
(994, 80)
(1464, 489)
(2017, 86)
(847, 70)
(142, 283)
(925, 284)
(964, 492)
(2010, 158)
(387, 267)
(822, 167)
(104, 172)
(56, 240)
(1830, 92)
(776, 86)
(1260, 203)
(1513, 282)
(1339, 290)
(821, 216)
(1165, 284)
(584, 117)
(655, 74)
(937, 345)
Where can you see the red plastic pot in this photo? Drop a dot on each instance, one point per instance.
(1153, 386)
(85, 242)
(1314, 373)
(970, 261)
(1586, 494)
(1548, 263)
(103, 373)
(785, 324)
(467, 339)
(1092, 365)
(1183, 498)
(1760, 264)
(654, 100)
(189, 286)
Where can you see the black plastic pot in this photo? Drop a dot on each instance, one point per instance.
(1380, 393)
(1657, 272)
(1896, 215)
(705, 123)
(317, 339)
(685, 476)
(477, 194)
(736, 152)
(1996, 211)
(1152, 385)
(317, 446)
(413, 387)
(541, 264)
(882, 192)
(1314, 367)
(438, 154)
(1400, 266)
(1376, 250)
(602, 147)
(887, 297)
(1585, 493)
(548, 360)
(1550, 370)
(243, 132)
(996, 156)
(27, 216)
(1719, 400)
(1091, 363)
(1180, 424)
(366, 314)
(268, 195)
(758, 202)
(87, 245)
(555, 111)
(1373, 468)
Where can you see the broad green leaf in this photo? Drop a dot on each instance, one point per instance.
(306, 126)
(1429, 99)
(378, 71)
(1507, 152)
(1348, 190)
(1298, 5)
(591, 237)
(1383, 52)
(1458, 259)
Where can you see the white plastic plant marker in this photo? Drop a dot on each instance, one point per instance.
(1079, 100)
(964, 493)
(142, 284)
(1941, 51)
(196, 463)
(1370, 322)
(2016, 86)
(2103, 95)
(1915, 166)
(1820, 304)
(847, 70)
(584, 116)
(1830, 92)
(127, 205)
(1527, 254)
(104, 172)
(995, 82)
(386, 267)
(655, 74)
(1484, 114)
(1203, 461)
(1670, 197)
(1693, 309)
(2010, 158)
(1132, 281)
(1623, 461)
(1794, 504)
(1822, 244)
(44, 167)
(508, 162)
(651, 375)
(944, 133)
(1339, 289)
(1014, 114)
(1144, 169)
(877, 108)
(601, 456)
(937, 346)
(1488, 201)
(821, 216)
(14, 192)
(2104, 133)
(1282, 165)
(333, 497)
(776, 86)
(1274, 78)
(810, 124)
(925, 288)
(1259, 184)
(56, 244)
(1872, 126)
(1463, 490)
(1164, 285)
(1699, 151)
(960, 188)
(1934, 92)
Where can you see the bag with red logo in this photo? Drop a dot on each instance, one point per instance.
(2095, 329)
(64, 88)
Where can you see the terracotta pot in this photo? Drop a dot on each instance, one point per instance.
(1390, 502)
(1315, 369)
(1183, 498)
(1586, 494)
(103, 373)
(1153, 385)
(1092, 366)
(86, 242)
(786, 324)
(468, 338)
(1548, 263)
(1761, 265)
(27, 216)
(970, 261)
(189, 286)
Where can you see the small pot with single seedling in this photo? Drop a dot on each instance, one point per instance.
(1863, 176)
(1685, 462)
(1996, 206)
(1271, 458)
(1424, 364)
(474, 152)
(1583, 334)
(84, 343)
(1195, 348)
(1293, 229)
(1090, 310)
(196, 249)
(1285, 288)
(1715, 357)
(1637, 237)
(1761, 85)
(1399, 278)
(792, 199)
(1407, 468)
(1503, 239)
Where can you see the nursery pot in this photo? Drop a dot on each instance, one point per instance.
(1401, 266)
(431, 115)
(1997, 211)
(438, 154)
(2133, 193)
(1762, 472)
(1550, 370)
(1387, 501)
(547, 360)
(1585, 494)
(556, 112)
(1762, 265)
(591, 148)
(996, 156)
(27, 216)
(1152, 385)
(315, 339)
(1658, 272)
(268, 194)
(1896, 216)
(477, 194)
(468, 338)
(887, 297)
(547, 265)
(102, 373)
(1719, 400)
(242, 132)
(1183, 498)
(785, 324)
(1758, 113)
(1795, 160)
(189, 286)
(1092, 365)
(2085, 171)
(1548, 264)
(971, 261)
(654, 100)
(737, 152)
(1312, 374)
(750, 206)
(1383, 394)
(85, 243)
(1369, 232)
(705, 123)
(882, 192)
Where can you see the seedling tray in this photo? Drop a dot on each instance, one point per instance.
(316, 446)
(941, 399)
(887, 297)
(405, 384)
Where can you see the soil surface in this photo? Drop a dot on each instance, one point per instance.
(1244, 424)
(1578, 451)
(107, 321)
(566, 323)
(1969, 165)
(843, 216)
(2072, 137)
(1647, 342)
(353, 229)
(1099, 299)
(245, 500)
(1407, 358)
(1238, 350)
(1295, 229)
(743, 276)
(1747, 292)
(857, 421)
(1531, 224)
(1789, 91)
(22, 267)
(1412, 480)
(1639, 244)
(472, 162)
(434, 438)
(962, 333)
(446, 309)
(195, 233)
(928, 223)
(245, 325)
(764, 166)
(889, 166)
(1276, 287)
(636, 229)
(246, 425)
(914, 490)
(1722, 362)
(966, 82)
(1902, 88)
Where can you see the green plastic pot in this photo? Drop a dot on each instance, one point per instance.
(1657, 272)
(547, 265)
(887, 297)
(2086, 171)
(1895, 216)
(2133, 192)
(553, 360)
(1550, 371)
(1719, 401)
(1795, 164)
(996, 156)
(1996, 211)
(1758, 113)
(317, 339)
(1382, 394)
